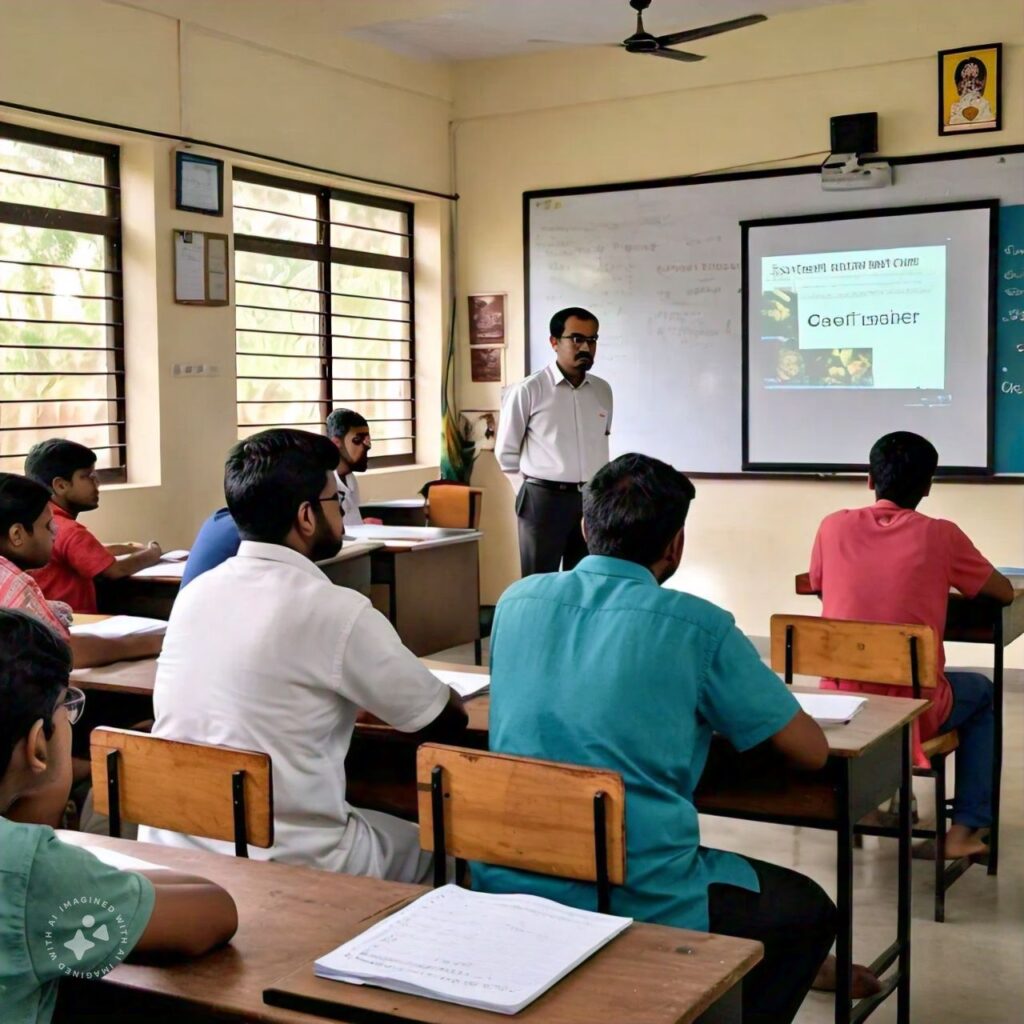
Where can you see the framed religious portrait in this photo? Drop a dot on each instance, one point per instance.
(487, 319)
(970, 92)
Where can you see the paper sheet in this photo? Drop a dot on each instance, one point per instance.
(465, 684)
(190, 266)
(119, 626)
(830, 708)
(179, 555)
(115, 859)
(199, 185)
(473, 948)
(217, 253)
(161, 569)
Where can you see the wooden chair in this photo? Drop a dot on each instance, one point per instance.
(892, 655)
(453, 505)
(194, 788)
(517, 812)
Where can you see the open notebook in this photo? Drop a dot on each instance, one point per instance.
(830, 708)
(119, 626)
(491, 952)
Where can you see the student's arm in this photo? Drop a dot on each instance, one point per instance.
(128, 565)
(190, 917)
(998, 588)
(89, 651)
(802, 743)
(448, 726)
(128, 548)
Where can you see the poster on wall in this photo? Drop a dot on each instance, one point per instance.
(487, 365)
(480, 426)
(970, 89)
(487, 319)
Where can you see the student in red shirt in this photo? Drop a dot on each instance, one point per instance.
(889, 563)
(68, 470)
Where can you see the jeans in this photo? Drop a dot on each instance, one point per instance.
(973, 718)
(794, 919)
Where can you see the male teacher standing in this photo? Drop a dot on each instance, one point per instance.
(552, 438)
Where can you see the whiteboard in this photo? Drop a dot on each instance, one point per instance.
(659, 265)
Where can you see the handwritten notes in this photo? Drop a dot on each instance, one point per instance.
(493, 952)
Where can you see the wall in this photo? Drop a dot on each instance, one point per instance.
(763, 97)
(337, 105)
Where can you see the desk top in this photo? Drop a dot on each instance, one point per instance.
(289, 916)
(354, 549)
(412, 538)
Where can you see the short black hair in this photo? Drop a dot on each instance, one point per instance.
(902, 467)
(558, 320)
(57, 458)
(269, 475)
(35, 665)
(21, 502)
(341, 421)
(634, 506)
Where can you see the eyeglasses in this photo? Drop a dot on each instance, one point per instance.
(73, 703)
(362, 439)
(580, 339)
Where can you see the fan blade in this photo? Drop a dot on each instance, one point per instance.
(675, 55)
(710, 30)
(572, 43)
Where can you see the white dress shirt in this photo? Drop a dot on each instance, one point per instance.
(348, 488)
(265, 653)
(550, 430)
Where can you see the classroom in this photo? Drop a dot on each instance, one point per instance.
(425, 587)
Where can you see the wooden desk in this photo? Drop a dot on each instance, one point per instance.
(397, 512)
(150, 596)
(427, 582)
(289, 915)
(869, 760)
(979, 621)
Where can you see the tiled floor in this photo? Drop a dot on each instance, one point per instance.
(969, 970)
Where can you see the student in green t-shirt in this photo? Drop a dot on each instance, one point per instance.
(63, 913)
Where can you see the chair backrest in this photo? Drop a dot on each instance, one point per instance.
(195, 788)
(453, 505)
(517, 812)
(866, 652)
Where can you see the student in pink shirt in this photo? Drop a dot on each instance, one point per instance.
(889, 563)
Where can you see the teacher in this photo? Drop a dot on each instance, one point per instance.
(552, 438)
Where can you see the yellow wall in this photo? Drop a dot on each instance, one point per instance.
(357, 109)
(764, 94)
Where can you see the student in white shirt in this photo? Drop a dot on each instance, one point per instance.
(350, 433)
(552, 438)
(265, 653)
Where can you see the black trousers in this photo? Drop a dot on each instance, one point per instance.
(794, 919)
(550, 529)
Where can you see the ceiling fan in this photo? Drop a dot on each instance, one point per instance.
(642, 41)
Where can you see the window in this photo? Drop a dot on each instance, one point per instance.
(323, 310)
(61, 323)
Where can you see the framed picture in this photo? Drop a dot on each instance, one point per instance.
(486, 319)
(480, 426)
(970, 91)
(486, 365)
(198, 183)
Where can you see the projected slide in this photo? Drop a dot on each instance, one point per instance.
(874, 318)
(858, 324)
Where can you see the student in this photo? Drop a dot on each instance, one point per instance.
(889, 563)
(603, 666)
(45, 931)
(26, 540)
(68, 470)
(350, 434)
(216, 542)
(265, 653)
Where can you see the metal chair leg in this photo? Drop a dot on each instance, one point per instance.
(939, 767)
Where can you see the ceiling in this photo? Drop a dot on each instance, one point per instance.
(459, 30)
(481, 29)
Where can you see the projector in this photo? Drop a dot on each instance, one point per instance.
(842, 172)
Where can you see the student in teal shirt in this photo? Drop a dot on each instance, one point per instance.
(602, 666)
(63, 913)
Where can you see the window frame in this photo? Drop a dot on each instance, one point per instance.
(325, 256)
(109, 227)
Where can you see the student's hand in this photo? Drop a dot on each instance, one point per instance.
(373, 521)
(153, 547)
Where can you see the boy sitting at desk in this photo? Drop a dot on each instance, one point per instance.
(265, 653)
(68, 470)
(889, 563)
(45, 933)
(603, 666)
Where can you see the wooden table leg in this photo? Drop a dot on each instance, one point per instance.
(728, 1009)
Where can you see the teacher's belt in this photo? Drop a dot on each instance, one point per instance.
(554, 485)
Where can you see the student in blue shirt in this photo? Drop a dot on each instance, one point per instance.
(216, 542)
(63, 912)
(603, 666)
